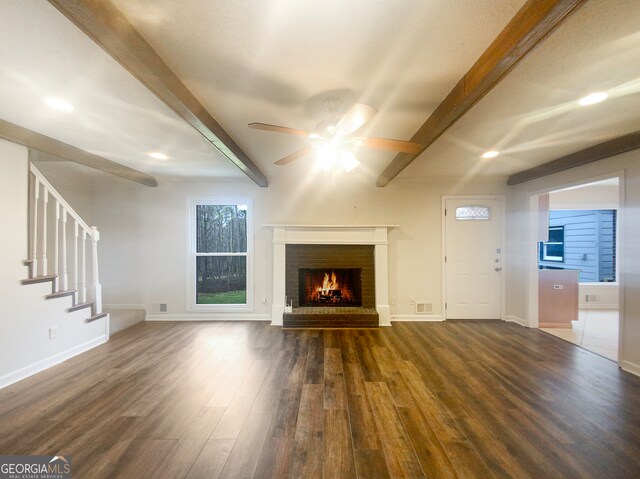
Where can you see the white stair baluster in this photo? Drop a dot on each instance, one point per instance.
(65, 277)
(83, 268)
(38, 244)
(45, 202)
(56, 249)
(75, 256)
(34, 231)
(97, 288)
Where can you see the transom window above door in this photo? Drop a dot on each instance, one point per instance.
(473, 212)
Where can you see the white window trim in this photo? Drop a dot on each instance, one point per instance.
(191, 254)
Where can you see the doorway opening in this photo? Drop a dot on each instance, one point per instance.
(577, 265)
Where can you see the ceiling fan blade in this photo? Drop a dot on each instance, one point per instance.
(280, 129)
(354, 118)
(294, 156)
(386, 144)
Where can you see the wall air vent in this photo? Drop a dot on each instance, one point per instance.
(591, 298)
(424, 308)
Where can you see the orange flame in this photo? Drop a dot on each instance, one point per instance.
(328, 285)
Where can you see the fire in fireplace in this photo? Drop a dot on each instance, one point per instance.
(330, 287)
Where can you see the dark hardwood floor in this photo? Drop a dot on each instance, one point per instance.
(207, 400)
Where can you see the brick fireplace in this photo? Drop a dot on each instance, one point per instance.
(312, 266)
(332, 276)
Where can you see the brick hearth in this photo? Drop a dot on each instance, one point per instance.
(331, 318)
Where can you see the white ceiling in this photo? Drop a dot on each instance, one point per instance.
(533, 115)
(42, 54)
(274, 61)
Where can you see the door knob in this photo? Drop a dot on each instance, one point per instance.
(498, 268)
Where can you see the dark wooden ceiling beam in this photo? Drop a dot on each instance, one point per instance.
(619, 145)
(111, 30)
(535, 20)
(37, 141)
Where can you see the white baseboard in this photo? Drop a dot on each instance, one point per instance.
(515, 319)
(208, 317)
(630, 367)
(46, 363)
(116, 306)
(416, 317)
(598, 306)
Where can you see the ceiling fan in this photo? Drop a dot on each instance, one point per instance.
(337, 135)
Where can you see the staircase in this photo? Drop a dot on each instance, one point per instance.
(51, 229)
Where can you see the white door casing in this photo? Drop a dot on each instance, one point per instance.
(473, 257)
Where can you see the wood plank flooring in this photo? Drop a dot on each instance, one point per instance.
(243, 399)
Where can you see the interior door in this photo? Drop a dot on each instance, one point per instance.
(473, 258)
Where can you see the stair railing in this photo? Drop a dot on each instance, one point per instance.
(41, 231)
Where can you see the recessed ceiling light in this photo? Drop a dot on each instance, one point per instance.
(490, 154)
(593, 98)
(59, 104)
(158, 156)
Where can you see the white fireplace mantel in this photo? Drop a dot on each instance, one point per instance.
(284, 234)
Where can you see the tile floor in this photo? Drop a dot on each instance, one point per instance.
(596, 330)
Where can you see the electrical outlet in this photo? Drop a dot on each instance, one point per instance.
(53, 332)
(412, 300)
(394, 301)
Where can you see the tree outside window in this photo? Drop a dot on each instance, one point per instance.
(221, 237)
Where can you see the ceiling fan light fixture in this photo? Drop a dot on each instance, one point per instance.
(332, 158)
(490, 154)
(326, 155)
(593, 98)
(349, 161)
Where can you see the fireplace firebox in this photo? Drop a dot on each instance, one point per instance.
(330, 287)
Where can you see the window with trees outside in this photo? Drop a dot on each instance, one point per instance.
(221, 249)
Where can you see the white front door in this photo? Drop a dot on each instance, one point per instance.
(473, 258)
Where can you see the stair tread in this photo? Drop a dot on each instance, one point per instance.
(39, 279)
(79, 306)
(97, 316)
(61, 294)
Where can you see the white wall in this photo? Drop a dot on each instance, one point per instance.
(608, 295)
(144, 232)
(25, 316)
(71, 181)
(519, 247)
(592, 197)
